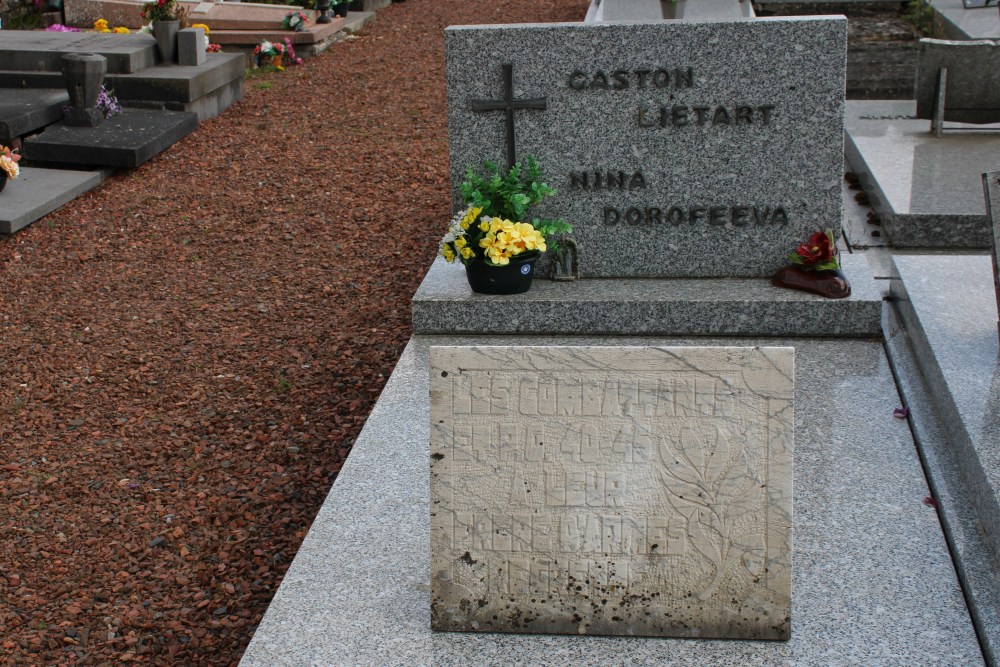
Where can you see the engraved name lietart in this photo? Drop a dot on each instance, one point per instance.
(673, 117)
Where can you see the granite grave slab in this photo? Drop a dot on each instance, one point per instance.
(35, 50)
(927, 190)
(612, 490)
(444, 303)
(949, 308)
(991, 186)
(872, 582)
(124, 140)
(663, 151)
(662, 10)
(953, 21)
(24, 111)
(37, 192)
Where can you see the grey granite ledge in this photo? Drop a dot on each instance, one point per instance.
(978, 569)
(947, 306)
(926, 190)
(674, 306)
(873, 583)
(954, 21)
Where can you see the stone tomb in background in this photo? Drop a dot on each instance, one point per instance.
(679, 149)
(602, 490)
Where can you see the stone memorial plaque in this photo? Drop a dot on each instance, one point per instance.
(991, 188)
(612, 490)
(678, 148)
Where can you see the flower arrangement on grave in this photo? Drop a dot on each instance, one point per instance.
(8, 165)
(160, 10)
(269, 53)
(107, 103)
(492, 236)
(291, 58)
(815, 268)
(295, 21)
(213, 48)
(101, 25)
(59, 27)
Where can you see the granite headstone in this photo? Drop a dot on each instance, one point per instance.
(971, 84)
(991, 186)
(678, 148)
(612, 490)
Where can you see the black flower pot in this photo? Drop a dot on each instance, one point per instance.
(512, 278)
(340, 9)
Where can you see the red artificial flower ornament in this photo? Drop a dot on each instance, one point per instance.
(818, 249)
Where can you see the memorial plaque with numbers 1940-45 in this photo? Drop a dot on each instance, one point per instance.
(612, 490)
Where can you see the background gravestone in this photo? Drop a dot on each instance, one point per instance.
(612, 490)
(678, 148)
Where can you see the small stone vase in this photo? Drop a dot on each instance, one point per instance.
(165, 33)
(512, 278)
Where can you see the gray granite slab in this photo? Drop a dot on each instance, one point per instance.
(642, 102)
(927, 190)
(954, 21)
(972, 81)
(24, 111)
(872, 580)
(124, 140)
(180, 83)
(949, 309)
(37, 192)
(35, 50)
(977, 566)
(660, 10)
(444, 303)
(991, 188)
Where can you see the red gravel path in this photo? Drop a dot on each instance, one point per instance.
(188, 352)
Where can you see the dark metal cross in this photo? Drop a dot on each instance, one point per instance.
(509, 104)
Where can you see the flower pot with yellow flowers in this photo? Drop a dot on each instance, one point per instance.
(491, 237)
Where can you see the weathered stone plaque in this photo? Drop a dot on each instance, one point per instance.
(612, 490)
(678, 148)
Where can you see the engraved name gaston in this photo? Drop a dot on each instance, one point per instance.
(674, 118)
(575, 509)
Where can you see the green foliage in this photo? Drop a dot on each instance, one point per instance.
(920, 14)
(509, 196)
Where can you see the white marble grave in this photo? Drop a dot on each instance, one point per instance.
(612, 490)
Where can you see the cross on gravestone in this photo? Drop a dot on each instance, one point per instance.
(509, 104)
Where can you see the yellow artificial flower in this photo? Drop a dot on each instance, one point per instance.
(447, 253)
(121, 30)
(484, 226)
(468, 253)
(460, 242)
(203, 27)
(100, 25)
(471, 215)
(463, 224)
